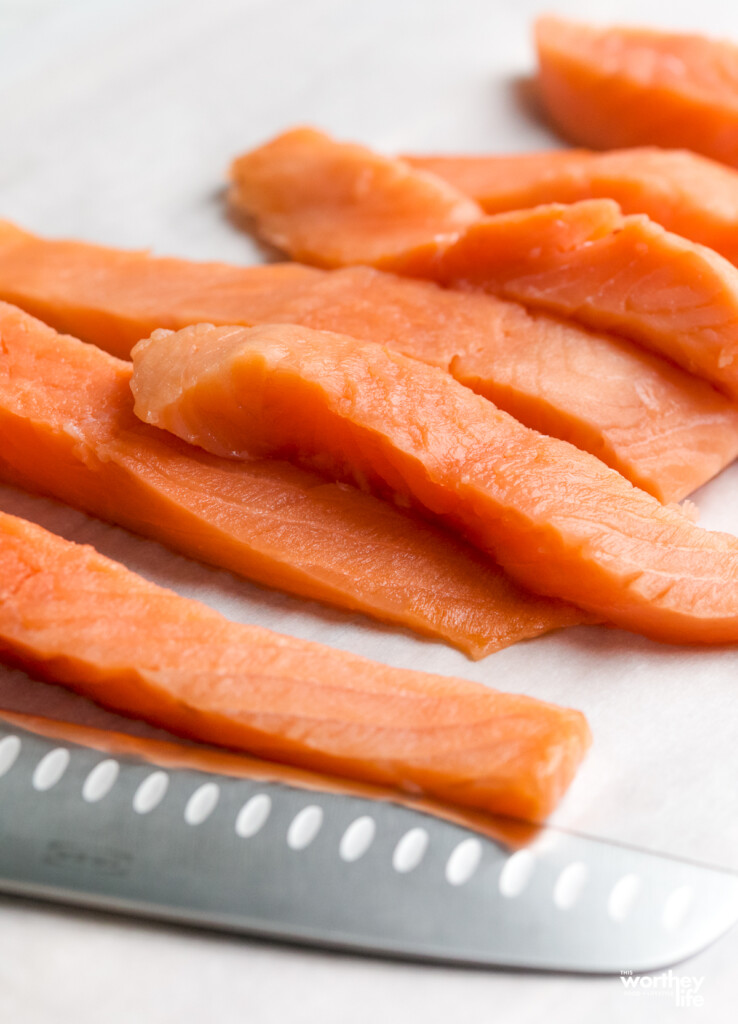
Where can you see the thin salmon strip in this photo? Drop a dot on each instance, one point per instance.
(90, 624)
(684, 192)
(113, 297)
(68, 430)
(178, 754)
(608, 88)
(660, 427)
(298, 183)
(556, 518)
(637, 279)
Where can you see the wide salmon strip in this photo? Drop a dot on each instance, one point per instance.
(67, 429)
(637, 279)
(556, 518)
(683, 191)
(90, 624)
(300, 182)
(612, 87)
(663, 429)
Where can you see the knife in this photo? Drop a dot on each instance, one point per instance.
(343, 872)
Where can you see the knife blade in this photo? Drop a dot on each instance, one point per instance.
(337, 871)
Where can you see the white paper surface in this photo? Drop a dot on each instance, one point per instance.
(117, 121)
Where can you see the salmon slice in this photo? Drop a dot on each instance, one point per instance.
(113, 297)
(660, 427)
(684, 192)
(300, 182)
(177, 754)
(88, 623)
(637, 279)
(556, 518)
(613, 87)
(68, 430)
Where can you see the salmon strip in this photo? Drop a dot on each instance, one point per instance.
(660, 427)
(301, 181)
(180, 754)
(684, 192)
(68, 430)
(612, 87)
(90, 624)
(556, 518)
(113, 297)
(637, 279)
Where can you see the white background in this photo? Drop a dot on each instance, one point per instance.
(117, 121)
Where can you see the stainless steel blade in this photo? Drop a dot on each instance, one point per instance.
(338, 871)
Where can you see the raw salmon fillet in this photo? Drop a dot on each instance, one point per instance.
(683, 191)
(298, 183)
(615, 273)
(89, 623)
(612, 87)
(663, 429)
(68, 430)
(556, 518)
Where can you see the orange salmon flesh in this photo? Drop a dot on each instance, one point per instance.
(607, 88)
(556, 518)
(68, 430)
(663, 429)
(88, 623)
